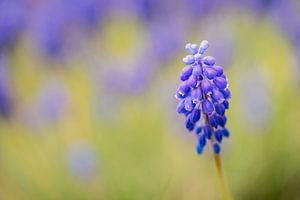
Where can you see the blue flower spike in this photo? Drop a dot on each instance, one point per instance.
(204, 96)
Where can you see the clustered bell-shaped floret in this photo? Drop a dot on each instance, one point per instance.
(203, 97)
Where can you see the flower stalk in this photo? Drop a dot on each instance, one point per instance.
(225, 193)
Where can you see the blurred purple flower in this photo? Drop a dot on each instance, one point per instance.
(51, 101)
(148, 9)
(12, 21)
(257, 109)
(5, 94)
(50, 24)
(144, 10)
(165, 41)
(56, 24)
(48, 107)
(117, 84)
(288, 10)
(131, 81)
(196, 10)
(257, 7)
(81, 160)
(283, 10)
(222, 36)
(85, 13)
(162, 45)
(286, 14)
(141, 77)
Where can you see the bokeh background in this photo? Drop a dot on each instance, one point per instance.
(87, 107)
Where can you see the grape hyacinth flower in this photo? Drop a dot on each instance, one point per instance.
(12, 22)
(6, 98)
(203, 96)
(55, 24)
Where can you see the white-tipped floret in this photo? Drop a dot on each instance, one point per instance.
(188, 46)
(203, 46)
(197, 57)
(189, 59)
(191, 47)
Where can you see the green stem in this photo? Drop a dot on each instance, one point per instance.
(223, 186)
(217, 158)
